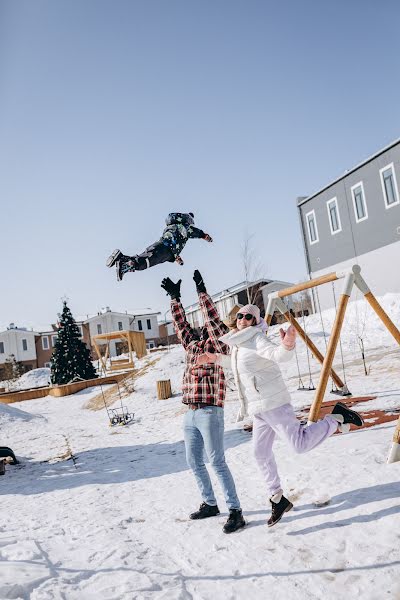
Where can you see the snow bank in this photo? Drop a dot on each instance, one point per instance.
(32, 379)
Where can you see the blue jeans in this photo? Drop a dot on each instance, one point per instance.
(204, 430)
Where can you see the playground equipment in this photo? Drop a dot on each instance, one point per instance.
(136, 343)
(351, 278)
(119, 415)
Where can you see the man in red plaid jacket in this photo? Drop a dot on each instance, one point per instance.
(203, 391)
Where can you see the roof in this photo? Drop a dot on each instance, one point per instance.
(226, 293)
(303, 200)
(133, 313)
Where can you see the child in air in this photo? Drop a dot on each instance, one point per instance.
(180, 227)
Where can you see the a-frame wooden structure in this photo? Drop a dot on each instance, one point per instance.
(351, 278)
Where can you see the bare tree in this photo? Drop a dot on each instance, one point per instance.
(253, 266)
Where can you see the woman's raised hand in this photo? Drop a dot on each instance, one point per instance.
(288, 337)
(206, 358)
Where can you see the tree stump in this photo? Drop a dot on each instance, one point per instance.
(164, 389)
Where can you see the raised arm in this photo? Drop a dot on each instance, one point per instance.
(278, 353)
(184, 331)
(194, 232)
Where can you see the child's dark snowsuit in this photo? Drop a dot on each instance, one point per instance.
(180, 227)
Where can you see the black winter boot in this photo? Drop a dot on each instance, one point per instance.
(205, 511)
(124, 266)
(350, 417)
(114, 257)
(278, 509)
(235, 521)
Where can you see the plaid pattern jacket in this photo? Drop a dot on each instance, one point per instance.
(206, 383)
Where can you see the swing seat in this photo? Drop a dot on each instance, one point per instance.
(120, 416)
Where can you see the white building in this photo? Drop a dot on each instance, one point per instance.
(109, 321)
(19, 342)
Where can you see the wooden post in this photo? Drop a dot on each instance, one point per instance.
(394, 454)
(100, 357)
(373, 302)
(330, 353)
(164, 389)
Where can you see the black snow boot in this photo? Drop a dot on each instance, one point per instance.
(205, 511)
(350, 417)
(114, 257)
(278, 509)
(235, 521)
(123, 266)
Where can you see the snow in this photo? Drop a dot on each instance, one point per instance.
(112, 523)
(32, 379)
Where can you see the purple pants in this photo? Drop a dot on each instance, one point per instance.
(283, 422)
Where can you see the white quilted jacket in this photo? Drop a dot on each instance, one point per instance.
(257, 375)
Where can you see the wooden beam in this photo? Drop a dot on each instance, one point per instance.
(330, 353)
(390, 326)
(299, 287)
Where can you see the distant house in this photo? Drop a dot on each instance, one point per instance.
(356, 219)
(256, 291)
(20, 343)
(33, 349)
(107, 321)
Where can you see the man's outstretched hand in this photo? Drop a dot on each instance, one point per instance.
(200, 285)
(208, 238)
(173, 289)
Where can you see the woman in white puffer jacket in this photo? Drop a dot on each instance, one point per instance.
(263, 394)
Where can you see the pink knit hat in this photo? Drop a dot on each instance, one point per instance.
(251, 309)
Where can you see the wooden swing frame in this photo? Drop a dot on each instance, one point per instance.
(351, 278)
(136, 343)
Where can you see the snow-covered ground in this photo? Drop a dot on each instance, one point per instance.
(112, 522)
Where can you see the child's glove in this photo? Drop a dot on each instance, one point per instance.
(288, 338)
(173, 289)
(208, 238)
(200, 286)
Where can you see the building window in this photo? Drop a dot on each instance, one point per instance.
(54, 340)
(47, 365)
(359, 204)
(312, 227)
(389, 186)
(45, 342)
(148, 324)
(334, 217)
(139, 324)
(80, 328)
(119, 325)
(99, 329)
(25, 344)
(1, 347)
(150, 345)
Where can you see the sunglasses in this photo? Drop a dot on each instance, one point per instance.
(247, 316)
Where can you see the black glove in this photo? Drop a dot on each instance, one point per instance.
(200, 286)
(172, 289)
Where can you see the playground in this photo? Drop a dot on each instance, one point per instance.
(107, 515)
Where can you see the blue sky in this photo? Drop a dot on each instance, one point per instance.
(114, 113)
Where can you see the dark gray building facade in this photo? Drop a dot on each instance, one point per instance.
(356, 219)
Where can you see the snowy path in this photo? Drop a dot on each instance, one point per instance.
(113, 523)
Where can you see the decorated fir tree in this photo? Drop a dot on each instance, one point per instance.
(71, 358)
